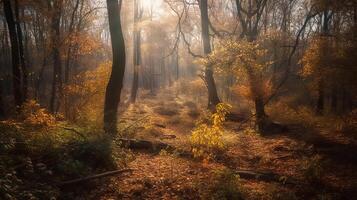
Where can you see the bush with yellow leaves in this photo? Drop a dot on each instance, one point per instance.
(206, 138)
(33, 115)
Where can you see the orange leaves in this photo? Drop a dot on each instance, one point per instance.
(34, 116)
(85, 94)
(85, 43)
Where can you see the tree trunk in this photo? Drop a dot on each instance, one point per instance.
(15, 56)
(177, 63)
(136, 52)
(2, 110)
(21, 53)
(213, 98)
(114, 87)
(56, 54)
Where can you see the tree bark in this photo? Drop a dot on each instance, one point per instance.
(136, 52)
(213, 98)
(15, 56)
(114, 87)
(56, 54)
(2, 110)
(24, 69)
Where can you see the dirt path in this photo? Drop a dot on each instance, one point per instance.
(167, 176)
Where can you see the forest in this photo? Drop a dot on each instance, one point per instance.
(178, 99)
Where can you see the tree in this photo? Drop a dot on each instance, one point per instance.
(15, 55)
(23, 62)
(213, 99)
(115, 84)
(56, 10)
(250, 23)
(136, 50)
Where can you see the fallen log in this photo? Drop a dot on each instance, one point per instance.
(105, 174)
(152, 146)
(265, 176)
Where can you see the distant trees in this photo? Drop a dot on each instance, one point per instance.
(47, 43)
(183, 13)
(329, 61)
(115, 84)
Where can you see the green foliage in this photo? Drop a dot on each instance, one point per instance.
(224, 186)
(206, 138)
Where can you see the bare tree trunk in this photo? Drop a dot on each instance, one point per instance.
(57, 62)
(177, 63)
(69, 50)
(21, 53)
(15, 56)
(114, 87)
(136, 52)
(320, 106)
(213, 98)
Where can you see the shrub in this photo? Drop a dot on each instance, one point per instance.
(33, 115)
(206, 138)
(224, 186)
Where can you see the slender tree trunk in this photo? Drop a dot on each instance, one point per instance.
(56, 54)
(114, 87)
(320, 106)
(15, 56)
(24, 69)
(136, 51)
(213, 98)
(177, 64)
(69, 50)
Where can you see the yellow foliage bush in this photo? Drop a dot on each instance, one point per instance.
(206, 138)
(33, 115)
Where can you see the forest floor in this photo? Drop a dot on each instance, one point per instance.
(321, 163)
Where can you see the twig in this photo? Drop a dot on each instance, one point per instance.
(105, 174)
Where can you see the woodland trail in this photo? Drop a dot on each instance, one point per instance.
(165, 175)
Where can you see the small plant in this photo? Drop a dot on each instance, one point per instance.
(206, 138)
(224, 186)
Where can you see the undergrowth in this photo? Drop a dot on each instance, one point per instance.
(37, 151)
(224, 185)
(207, 138)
